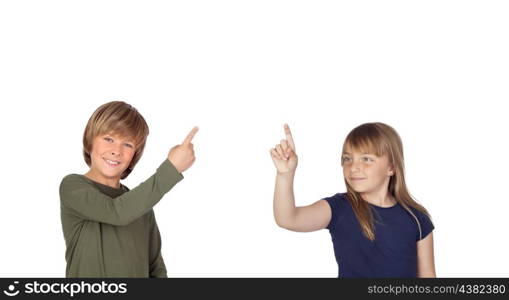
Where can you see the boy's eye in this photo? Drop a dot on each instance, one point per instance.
(345, 159)
(129, 145)
(367, 159)
(108, 139)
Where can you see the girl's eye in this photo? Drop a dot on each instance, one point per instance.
(129, 145)
(108, 139)
(345, 159)
(367, 159)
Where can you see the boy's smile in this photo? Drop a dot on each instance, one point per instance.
(112, 163)
(111, 154)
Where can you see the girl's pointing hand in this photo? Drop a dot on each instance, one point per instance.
(283, 154)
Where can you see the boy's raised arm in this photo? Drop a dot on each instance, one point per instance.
(80, 196)
(89, 203)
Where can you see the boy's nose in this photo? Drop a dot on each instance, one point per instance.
(115, 151)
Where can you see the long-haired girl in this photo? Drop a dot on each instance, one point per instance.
(377, 228)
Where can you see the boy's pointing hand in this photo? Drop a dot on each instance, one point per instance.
(182, 156)
(190, 136)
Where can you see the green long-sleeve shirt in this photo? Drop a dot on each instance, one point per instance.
(112, 232)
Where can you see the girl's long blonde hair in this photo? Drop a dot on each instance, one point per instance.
(380, 139)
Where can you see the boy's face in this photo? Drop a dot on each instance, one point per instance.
(366, 172)
(111, 154)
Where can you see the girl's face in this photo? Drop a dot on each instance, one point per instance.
(366, 172)
(111, 155)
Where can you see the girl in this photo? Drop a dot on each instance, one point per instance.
(377, 228)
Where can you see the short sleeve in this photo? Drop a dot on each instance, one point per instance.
(426, 224)
(336, 203)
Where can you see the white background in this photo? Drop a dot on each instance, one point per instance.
(437, 71)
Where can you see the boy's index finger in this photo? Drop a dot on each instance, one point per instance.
(190, 135)
(289, 137)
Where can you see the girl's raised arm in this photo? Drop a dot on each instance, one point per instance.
(303, 219)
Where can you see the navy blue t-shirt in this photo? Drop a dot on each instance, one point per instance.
(393, 253)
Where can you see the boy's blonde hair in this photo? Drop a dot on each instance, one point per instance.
(380, 139)
(120, 118)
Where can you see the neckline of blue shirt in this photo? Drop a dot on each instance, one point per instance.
(381, 207)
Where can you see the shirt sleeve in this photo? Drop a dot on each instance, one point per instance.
(336, 204)
(426, 224)
(156, 263)
(86, 201)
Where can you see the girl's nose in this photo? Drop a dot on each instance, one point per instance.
(355, 166)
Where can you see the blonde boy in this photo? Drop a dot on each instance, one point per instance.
(109, 230)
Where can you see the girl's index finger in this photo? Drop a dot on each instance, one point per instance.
(289, 137)
(190, 136)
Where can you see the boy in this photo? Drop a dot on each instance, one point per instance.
(109, 230)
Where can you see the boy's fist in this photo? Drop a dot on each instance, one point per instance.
(283, 154)
(182, 156)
